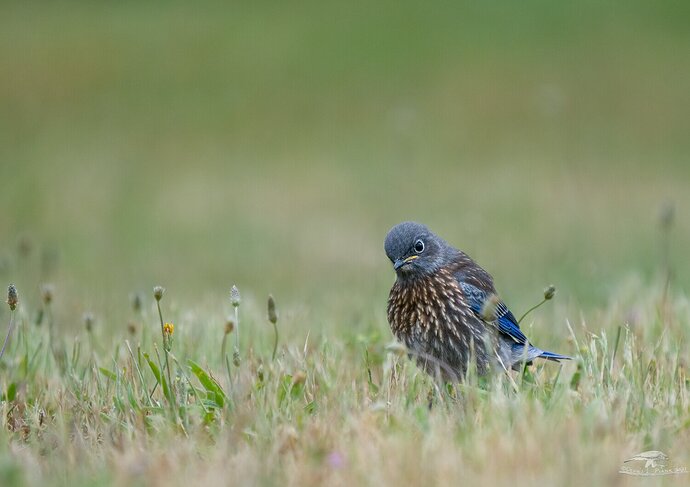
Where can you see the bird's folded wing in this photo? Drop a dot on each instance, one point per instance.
(507, 324)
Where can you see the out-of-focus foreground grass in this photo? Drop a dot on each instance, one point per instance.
(273, 146)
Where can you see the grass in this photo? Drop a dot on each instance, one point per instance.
(273, 146)
(347, 410)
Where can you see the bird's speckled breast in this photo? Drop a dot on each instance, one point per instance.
(426, 308)
(432, 317)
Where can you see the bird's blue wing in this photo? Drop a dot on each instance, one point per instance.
(507, 324)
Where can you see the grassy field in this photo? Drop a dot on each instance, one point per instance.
(272, 147)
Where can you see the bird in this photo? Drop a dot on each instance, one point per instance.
(444, 308)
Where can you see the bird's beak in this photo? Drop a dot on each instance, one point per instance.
(401, 262)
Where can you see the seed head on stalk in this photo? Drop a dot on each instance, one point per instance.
(12, 301)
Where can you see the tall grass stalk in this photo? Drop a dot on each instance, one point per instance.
(12, 301)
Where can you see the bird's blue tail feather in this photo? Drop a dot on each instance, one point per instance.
(520, 353)
(553, 356)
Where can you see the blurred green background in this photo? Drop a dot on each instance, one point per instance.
(273, 144)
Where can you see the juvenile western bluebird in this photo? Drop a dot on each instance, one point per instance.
(445, 309)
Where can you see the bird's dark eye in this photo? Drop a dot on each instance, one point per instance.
(419, 246)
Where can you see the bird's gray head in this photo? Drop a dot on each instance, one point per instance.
(414, 250)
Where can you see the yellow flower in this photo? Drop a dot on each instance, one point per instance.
(169, 329)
